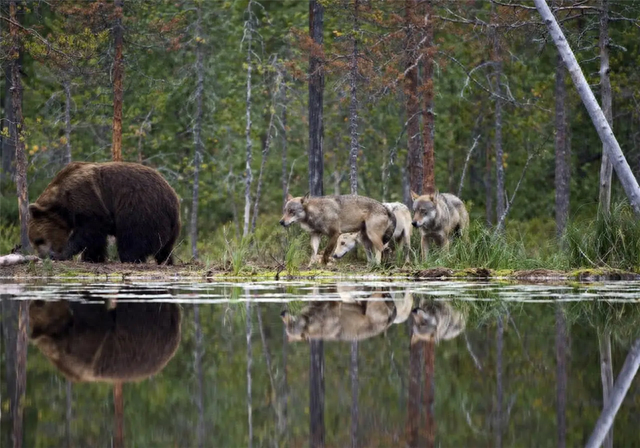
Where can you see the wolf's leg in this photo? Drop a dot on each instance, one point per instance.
(368, 248)
(424, 245)
(378, 246)
(331, 246)
(444, 241)
(315, 244)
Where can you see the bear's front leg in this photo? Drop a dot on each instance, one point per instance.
(90, 243)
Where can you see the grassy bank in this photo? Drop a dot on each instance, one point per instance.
(608, 246)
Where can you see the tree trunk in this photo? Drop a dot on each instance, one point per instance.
(561, 376)
(606, 374)
(499, 385)
(118, 87)
(199, 348)
(316, 394)
(17, 126)
(249, 364)
(248, 175)
(619, 391)
(428, 117)
(8, 143)
(353, 371)
(500, 196)
(20, 388)
(118, 407)
(197, 132)
(413, 400)
(66, 159)
(265, 155)
(316, 92)
(353, 105)
(69, 413)
(606, 169)
(285, 165)
(488, 188)
(429, 393)
(562, 161)
(611, 145)
(411, 100)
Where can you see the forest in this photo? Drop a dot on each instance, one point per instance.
(238, 103)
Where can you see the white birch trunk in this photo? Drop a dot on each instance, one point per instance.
(197, 131)
(353, 107)
(606, 169)
(619, 391)
(610, 144)
(248, 176)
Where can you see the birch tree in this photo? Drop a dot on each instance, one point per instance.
(17, 125)
(197, 129)
(497, 89)
(353, 104)
(248, 175)
(611, 145)
(606, 168)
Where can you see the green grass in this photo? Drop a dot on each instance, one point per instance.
(604, 242)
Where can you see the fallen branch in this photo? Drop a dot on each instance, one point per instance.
(13, 259)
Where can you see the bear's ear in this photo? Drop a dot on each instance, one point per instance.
(305, 198)
(289, 197)
(414, 195)
(36, 211)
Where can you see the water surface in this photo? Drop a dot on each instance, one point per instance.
(297, 363)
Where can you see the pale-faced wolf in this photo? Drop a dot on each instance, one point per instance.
(436, 321)
(333, 215)
(438, 216)
(349, 319)
(401, 235)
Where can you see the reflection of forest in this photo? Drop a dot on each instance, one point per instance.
(518, 372)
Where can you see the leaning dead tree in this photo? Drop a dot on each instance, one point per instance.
(609, 142)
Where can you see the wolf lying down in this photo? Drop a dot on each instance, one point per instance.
(333, 215)
(356, 320)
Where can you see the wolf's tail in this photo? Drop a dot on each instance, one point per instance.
(391, 228)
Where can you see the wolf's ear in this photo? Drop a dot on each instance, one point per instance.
(414, 196)
(289, 197)
(305, 198)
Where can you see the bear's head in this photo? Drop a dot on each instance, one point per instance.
(48, 229)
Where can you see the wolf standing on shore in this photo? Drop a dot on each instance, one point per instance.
(401, 235)
(438, 216)
(333, 215)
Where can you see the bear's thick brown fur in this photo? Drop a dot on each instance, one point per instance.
(87, 202)
(90, 342)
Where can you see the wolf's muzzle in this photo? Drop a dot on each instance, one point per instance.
(414, 223)
(282, 223)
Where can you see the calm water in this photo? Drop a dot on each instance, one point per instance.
(370, 363)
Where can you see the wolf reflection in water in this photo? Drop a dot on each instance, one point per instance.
(352, 320)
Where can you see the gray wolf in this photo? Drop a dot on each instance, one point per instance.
(438, 216)
(401, 235)
(87, 202)
(333, 215)
(436, 321)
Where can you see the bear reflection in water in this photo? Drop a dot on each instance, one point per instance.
(97, 342)
(350, 319)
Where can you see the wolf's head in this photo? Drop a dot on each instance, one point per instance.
(295, 327)
(424, 210)
(436, 322)
(346, 243)
(294, 210)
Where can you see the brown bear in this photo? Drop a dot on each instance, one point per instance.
(91, 342)
(87, 202)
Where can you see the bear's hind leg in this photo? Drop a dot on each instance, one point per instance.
(164, 255)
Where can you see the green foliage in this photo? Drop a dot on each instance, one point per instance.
(611, 240)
